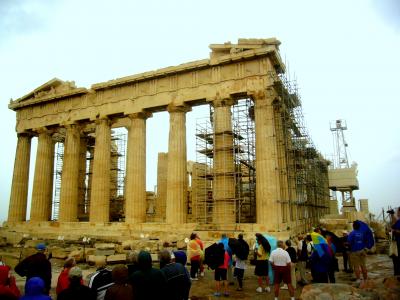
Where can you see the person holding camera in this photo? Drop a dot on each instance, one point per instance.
(395, 221)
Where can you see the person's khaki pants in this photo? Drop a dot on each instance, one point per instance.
(301, 267)
(293, 274)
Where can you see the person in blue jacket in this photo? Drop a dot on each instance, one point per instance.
(320, 267)
(225, 240)
(358, 254)
(35, 290)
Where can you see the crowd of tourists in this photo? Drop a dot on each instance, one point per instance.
(276, 262)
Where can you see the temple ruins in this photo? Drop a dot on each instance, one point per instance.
(256, 167)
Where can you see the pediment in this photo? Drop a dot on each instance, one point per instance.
(50, 88)
(54, 88)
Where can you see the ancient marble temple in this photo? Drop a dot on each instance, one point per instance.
(249, 68)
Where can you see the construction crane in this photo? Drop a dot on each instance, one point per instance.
(342, 176)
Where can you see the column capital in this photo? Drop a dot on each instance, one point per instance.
(73, 126)
(267, 96)
(103, 120)
(218, 102)
(69, 124)
(140, 115)
(28, 134)
(178, 108)
(41, 130)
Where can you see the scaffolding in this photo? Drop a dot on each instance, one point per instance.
(118, 172)
(238, 144)
(117, 176)
(244, 159)
(303, 171)
(58, 164)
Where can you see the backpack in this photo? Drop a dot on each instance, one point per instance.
(242, 250)
(303, 253)
(214, 256)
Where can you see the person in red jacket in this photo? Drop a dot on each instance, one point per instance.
(63, 279)
(221, 274)
(8, 288)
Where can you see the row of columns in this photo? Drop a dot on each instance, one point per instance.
(267, 188)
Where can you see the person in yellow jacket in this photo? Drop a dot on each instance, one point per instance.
(194, 254)
(261, 270)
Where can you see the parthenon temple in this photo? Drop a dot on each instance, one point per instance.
(256, 167)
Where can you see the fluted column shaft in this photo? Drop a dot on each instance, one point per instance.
(70, 176)
(177, 168)
(82, 177)
(100, 190)
(223, 168)
(43, 178)
(267, 181)
(135, 203)
(19, 188)
(287, 209)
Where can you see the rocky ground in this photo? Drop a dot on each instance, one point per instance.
(380, 267)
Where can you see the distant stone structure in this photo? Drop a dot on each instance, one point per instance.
(291, 190)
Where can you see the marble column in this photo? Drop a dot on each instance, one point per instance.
(269, 212)
(70, 176)
(135, 200)
(287, 213)
(100, 189)
(177, 168)
(19, 187)
(162, 171)
(224, 166)
(82, 177)
(43, 178)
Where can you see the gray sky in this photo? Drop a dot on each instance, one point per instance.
(345, 55)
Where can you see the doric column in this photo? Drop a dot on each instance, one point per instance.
(177, 169)
(43, 178)
(267, 179)
(82, 177)
(161, 200)
(135, 200)
(70, 176)
(19, 188)
(100, 190)
(224, 167)
(280, 135)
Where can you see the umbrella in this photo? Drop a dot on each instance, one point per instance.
(320, 244)
(334, 238)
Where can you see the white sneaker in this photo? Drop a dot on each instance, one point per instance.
(259, 289)
(284, 287)
(267, 289)
(202, 274)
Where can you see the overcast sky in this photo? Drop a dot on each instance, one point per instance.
(345, 55)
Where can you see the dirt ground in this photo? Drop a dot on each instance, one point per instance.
(379, 266)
